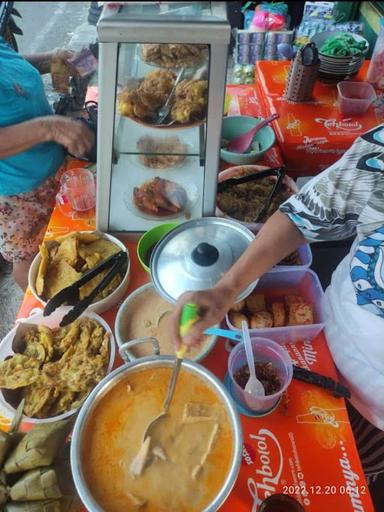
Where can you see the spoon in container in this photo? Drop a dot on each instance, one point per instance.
(242, 143)
(164, 111)
(253, 387)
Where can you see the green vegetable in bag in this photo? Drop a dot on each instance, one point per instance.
(343, 45)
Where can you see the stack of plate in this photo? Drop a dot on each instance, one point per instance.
(338, 68)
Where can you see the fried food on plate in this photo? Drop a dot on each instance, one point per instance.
(66, 259)
(173, 55)
(144, 100)
(56, 369)
(160, 197)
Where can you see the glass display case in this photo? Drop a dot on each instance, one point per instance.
(161, 94)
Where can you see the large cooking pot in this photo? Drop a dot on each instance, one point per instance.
(120, 373)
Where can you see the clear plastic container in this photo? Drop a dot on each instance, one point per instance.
(375, 74)
(355, 98)
(264, 351)
(280, 282)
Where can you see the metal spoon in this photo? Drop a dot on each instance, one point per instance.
(163, 111)
(253, 387)
(188, 317)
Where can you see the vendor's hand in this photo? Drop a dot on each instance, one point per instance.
(212, 304)
(73, 134)
(63, 55)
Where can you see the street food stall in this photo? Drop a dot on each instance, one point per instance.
(88, 365)
(155, 167)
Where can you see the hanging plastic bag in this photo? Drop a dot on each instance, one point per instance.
(270, 16)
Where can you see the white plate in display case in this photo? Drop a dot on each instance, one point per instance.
(185, 196)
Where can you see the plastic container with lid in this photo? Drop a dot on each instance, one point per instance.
(375, 73)
(355, 97)
(281, 282)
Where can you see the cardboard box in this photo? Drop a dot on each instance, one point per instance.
(312, 135)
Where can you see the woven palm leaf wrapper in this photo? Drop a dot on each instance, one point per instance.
(34, 506)
(38, 447)
(36, 484)
(302, 76)
(10, 438)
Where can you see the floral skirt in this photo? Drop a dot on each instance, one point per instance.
(23, 220)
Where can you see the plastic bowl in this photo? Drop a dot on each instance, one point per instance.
(233, 126)
(101, 305)
(148, 241)
(355, 98)
(264, 351)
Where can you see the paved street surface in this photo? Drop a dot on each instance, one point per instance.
(46, 25)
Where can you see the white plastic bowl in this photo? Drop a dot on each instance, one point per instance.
(52, 322)
(101, 305)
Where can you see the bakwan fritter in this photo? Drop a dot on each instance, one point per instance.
(56, 369)
(68, 258)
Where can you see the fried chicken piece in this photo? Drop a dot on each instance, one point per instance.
(160, 194)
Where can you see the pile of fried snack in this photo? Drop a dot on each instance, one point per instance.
(34, 470)
(260, 313)
(142, 102)
(66, 259)
(54, 370)
(173, 55)
(160, 153)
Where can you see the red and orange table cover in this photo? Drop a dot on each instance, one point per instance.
(304, 448)
(311, 135)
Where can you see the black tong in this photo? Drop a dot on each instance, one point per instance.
(70, 295)
(337, 389)
(279, 172)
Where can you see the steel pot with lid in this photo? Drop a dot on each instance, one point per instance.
(196, 254)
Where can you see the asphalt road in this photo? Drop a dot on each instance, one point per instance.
(49, 25)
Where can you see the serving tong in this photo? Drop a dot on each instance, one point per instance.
(71, 294)
(278, 172)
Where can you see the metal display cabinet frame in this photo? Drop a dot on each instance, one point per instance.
(117, 27)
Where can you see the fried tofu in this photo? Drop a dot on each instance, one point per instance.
(236, 318)
(255, 302)
(300, 314)
(278, 313)
(239, 306)
(293, 299)
(261, 320)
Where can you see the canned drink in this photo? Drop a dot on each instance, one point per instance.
(243, 54)
(257, 37)
(243, 37)
(285, 37)
(271, 38)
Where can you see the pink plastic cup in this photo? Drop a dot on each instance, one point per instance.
(78, 189)
(264, 351)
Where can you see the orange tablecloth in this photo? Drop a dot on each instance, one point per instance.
(304, 448)
(311, 135)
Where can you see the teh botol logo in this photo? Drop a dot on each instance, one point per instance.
(269, 466)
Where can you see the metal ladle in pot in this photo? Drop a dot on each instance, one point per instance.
(189, 316)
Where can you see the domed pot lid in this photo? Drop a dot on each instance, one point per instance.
(196, 254)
